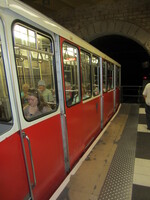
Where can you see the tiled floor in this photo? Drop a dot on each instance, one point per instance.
(142, 172)
(141, 179)
(143, 128)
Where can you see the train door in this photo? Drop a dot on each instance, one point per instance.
(38, 109)
(13, 176)
(108, 90)
(72, 94)
(90, 71)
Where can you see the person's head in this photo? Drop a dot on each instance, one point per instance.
(41, 85)
(33, 97)
(25, 87)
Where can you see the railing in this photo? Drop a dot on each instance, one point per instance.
(132, 94)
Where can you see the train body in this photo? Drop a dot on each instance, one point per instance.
(38, 152)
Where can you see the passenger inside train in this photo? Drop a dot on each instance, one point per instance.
(85, 96)
(36, 104)
(24, 94)
(68, 88)
(46, 93)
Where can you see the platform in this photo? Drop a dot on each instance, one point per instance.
(118, 168)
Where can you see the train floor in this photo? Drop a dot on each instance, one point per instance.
(118, 167)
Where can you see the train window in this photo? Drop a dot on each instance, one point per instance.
(110, 76)
(35, 67)
(117, 76)
(104, 76)
(86, 75)
(71, 74)
(96, 80)
(5, 109)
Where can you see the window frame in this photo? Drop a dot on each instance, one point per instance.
(97, 93)
(104, 71)
(110, 76)
(27, 48)
(7, 124)
(117, 76)
(89, 54)
(68, 104)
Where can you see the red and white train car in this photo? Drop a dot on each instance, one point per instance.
(38, 152)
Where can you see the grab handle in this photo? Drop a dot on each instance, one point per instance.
(31, 159)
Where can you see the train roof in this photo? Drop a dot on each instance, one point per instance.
(29, 13)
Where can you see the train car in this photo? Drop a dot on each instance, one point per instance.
(57, 93)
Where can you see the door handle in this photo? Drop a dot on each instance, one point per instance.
(31, 158)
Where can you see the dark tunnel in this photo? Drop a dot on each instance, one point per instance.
(133, 58)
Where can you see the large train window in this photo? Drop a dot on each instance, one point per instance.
(71, 74)
(86, 75)
(110, 76)
(96, 80)
(104, 76)
(35, 67)
(5, 109)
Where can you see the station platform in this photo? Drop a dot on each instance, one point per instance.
(118, 167)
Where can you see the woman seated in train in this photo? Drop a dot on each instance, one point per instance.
(36, 105)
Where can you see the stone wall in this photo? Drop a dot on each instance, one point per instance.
(129, 18)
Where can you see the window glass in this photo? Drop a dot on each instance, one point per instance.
(117, 76)
(110, 76)
(24, 36)
(35, 68)
(86, 75)
(5, 109)
(44, 43)
(71, 74)
(104, 76)
(95, 67)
